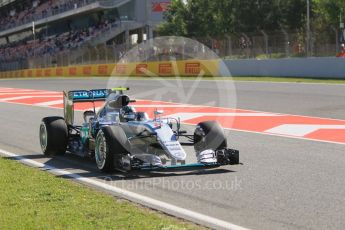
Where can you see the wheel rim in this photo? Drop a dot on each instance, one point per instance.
(100, 150)
(43, 137)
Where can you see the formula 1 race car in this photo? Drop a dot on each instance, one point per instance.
(120, 138)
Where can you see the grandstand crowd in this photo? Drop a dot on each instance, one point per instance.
(37, 10)
(41, 43)
(51, 45)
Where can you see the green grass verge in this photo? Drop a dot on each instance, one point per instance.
(33, 199)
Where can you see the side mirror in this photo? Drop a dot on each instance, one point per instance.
(158, 112)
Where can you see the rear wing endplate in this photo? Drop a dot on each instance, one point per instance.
(77, 96)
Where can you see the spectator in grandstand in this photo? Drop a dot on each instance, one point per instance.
(28, 48)
(38, 10)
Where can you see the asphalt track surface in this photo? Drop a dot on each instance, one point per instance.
(283, 183)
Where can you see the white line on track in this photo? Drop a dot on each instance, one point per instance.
(167, 106)
(14, 90)
(20, 90)
(190, 116)
(27, 97)
(5, 88)
(50, 103)
(282, 135)
(14, 98)
(301, 130)
(144, 200)
(29, 93)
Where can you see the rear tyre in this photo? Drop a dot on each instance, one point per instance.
(111, 145)
(53, 136)
(209, 135)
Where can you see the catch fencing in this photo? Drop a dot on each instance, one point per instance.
(259, 45)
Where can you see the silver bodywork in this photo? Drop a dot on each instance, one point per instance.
(158, 131)
(151, 142)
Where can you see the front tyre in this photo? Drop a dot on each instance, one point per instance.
(53, 135)
(209, 135)
(111, 145)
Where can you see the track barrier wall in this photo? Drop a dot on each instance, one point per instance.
(166, 68)
(325, 67)
(288, 67)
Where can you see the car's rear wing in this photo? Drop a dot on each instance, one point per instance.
(88, 95)
(77, 96)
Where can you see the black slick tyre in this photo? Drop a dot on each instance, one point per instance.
(53, 135)
(111, 145)
(209, 135)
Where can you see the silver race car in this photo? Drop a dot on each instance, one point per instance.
(119, 138)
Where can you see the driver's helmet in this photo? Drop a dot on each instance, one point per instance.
(128, 113)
